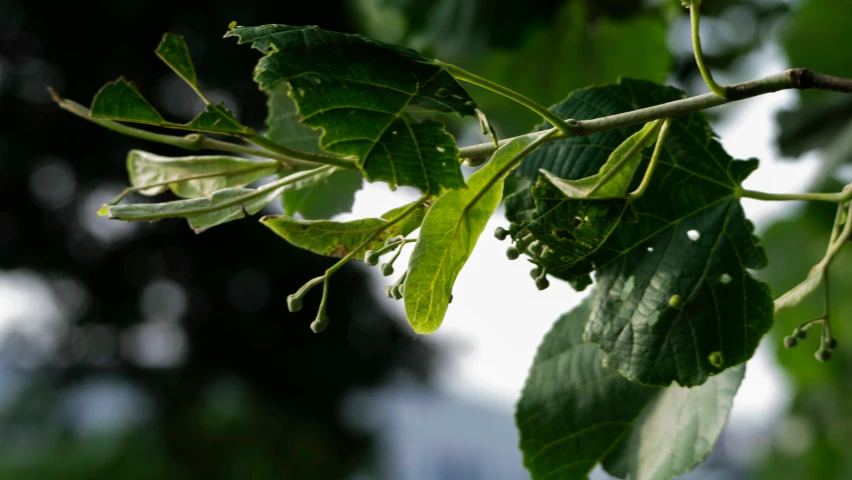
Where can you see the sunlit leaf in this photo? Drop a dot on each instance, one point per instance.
(338, 239)
(575, 412)
(358, 91)
(448, 235)
(194, 176)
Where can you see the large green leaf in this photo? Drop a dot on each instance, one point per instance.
(575, 413)
(659, 313)
(329, 195)
(338, 239)
(220, 207)
(359, 92)
(121, 101)
(194, 176)
(450, 231)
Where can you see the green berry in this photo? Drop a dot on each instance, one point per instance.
(800, 334)
(541, 283)
(512, 253)
(294, 303)
(790, 341)
(501, 233)
(387, 269)
(513, 229)
(371, 258)
(831, 343)
(536, 272)
(823, 355)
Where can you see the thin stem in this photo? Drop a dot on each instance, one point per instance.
(636, 148)
(838, 197)
(826, 299)
(263, 142)
(797, 78)
(195, 141)
(695, 19)
(466, 76)
(658, 148)
(841, 239)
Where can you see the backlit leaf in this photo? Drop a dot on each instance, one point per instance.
(338, 239)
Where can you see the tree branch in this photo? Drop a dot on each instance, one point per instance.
(796, 78)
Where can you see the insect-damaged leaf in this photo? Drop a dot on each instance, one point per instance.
(338, 239)
(575, 412)
(359, 92)
(658, 313)
(194, 176)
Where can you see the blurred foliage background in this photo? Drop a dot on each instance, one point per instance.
(143, 351)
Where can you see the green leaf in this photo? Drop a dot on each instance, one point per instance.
(449, 232)
(338, 239)
(194, 176)
(575, 413)
(359, 92)
(658, 314)
(174, 52)
(617, 185)
(329, 195)
(220, 207)
(121, 101)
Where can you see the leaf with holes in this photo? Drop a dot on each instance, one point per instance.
(338, 239)
(575, 412)
(329, 195)
(360, 92)
(194, 176)
(659, 314)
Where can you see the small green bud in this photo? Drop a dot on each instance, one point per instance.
(294, 303)
(371, 258)
(541, 283)
(823, 355)
(831, 343)
(536, 248)
(387, 269)
(513, 229)
(512, 253)
(389, 291)
(501, 233)
(320, 322)
(790, 341)
(395, 292)
(451, 298)
(394, 239)
(536, 272)
(800, 334)
(401, 289)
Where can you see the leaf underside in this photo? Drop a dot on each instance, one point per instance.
(575, 413)
(664, 270)
(359, 92)
(338, 239)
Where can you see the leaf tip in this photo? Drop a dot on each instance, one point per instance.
(55, 95)
(103, 211)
